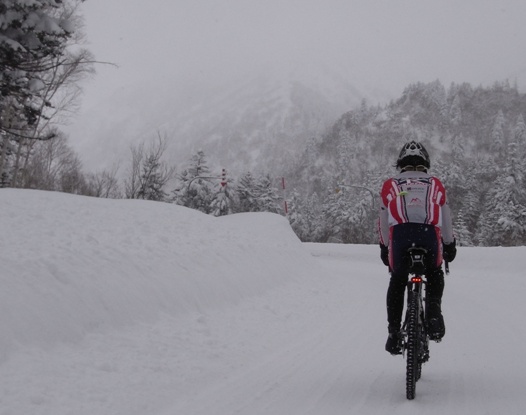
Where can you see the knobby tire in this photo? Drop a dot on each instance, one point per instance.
(413, 339)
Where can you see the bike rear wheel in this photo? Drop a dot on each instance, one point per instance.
(414, 365)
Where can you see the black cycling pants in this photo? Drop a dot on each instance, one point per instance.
(403, 237)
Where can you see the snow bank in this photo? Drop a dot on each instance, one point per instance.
(71, 265)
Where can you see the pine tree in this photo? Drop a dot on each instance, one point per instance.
(304, 217)
(455, 113)
(296, 216)
(246, 191)
(452, 174)
(222, 201)
(195, 185)
(462, 234)
(152, 180)
(333, 213)
(267, 196)
(148, 173)
(470, 203)
(519, 134)
(506, 204)
(497, 136)
(198, 166)
(486, 173)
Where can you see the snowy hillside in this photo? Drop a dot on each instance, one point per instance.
(256, 122)
(131, 307)
(100, 264)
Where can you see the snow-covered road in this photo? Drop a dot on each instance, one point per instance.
(335, 363)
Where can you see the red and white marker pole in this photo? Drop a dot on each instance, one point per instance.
(284, 198)
(223, 178)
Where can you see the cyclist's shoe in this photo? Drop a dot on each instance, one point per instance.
(436, 328)
(435, 321)
(394, 343)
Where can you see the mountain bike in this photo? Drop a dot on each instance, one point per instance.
(414, 330)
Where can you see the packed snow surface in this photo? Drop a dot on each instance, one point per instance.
(133, 307)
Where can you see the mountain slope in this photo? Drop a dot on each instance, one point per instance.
(255, 123)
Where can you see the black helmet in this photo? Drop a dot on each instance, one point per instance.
(413, 154)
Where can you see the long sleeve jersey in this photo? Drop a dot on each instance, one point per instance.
(414, 197)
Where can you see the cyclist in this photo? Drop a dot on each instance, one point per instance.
(414, 210)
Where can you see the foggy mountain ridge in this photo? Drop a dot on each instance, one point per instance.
(258, 124)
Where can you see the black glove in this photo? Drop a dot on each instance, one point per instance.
(384, 254)
(450, 251)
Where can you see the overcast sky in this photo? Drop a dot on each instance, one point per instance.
(392, 42)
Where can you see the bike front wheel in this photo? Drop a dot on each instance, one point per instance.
(414, 366)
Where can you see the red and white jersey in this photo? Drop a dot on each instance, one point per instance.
(414, 197)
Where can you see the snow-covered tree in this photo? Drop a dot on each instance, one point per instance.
(223, 200)
(497, 135)
(39, 75)
(31, 37)
(470, 203)
(268, 198)
(246, 190)
(195, 185)
(463, 235)
(153, 180)
(519, 134)
(149, 173)
(505, 221)
(335, 210)
(455, 112)
(298, 216)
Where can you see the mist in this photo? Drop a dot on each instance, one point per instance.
(380, 46)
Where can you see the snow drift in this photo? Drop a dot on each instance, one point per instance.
(72, 265)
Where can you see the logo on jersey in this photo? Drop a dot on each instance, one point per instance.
(415, 201)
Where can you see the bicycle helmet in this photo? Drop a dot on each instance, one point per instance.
(413, 154)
